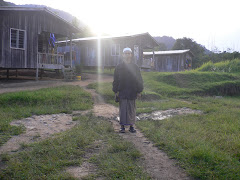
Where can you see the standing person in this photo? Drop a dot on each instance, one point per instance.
(127, 85)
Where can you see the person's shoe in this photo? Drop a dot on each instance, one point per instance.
(122, 130)
(132, 130)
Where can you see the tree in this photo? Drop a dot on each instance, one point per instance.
(195, 48)
(161, 47)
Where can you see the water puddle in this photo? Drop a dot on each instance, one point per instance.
(160, 115)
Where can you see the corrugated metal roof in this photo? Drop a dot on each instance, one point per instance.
(108, 37)
(111, 37)
(17, 8)
(167, 52)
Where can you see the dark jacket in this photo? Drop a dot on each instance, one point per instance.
(127, 81)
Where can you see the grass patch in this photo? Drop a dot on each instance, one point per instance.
(119, 161)
(159, 86)
(229, 66)
(192, 83)
(49, 158)
(106, 71)
(105, 90)
(24, 104)
(208, 145)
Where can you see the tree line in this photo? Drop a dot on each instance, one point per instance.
(201, 54)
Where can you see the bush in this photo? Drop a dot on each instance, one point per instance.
(228, 66)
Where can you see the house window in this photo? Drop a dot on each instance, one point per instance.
(17, 38)
(115, 50)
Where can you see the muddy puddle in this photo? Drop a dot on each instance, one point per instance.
(160, 115)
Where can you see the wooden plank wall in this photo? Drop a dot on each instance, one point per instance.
(170, 63)
(106, 45)
(35, 23)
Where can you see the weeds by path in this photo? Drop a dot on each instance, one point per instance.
(48, 159)
(24, 104)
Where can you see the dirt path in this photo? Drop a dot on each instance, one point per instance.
(6, 87)
(156, 162)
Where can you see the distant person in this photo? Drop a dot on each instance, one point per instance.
(127, 86)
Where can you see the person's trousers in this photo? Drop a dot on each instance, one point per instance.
(127, 112)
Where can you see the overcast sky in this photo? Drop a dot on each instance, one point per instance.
(212, 23)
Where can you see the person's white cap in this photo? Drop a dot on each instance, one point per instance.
(127, 49)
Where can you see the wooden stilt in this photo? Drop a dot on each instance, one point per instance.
(37, 69)
(41, 73)
(71, 50)
(37, 74)
(7, 74)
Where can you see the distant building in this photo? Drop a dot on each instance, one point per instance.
(106, 51)
(28, 37)
(170, 61)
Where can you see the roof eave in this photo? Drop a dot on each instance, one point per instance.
(45, 9)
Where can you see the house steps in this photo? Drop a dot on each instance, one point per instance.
(69, 74)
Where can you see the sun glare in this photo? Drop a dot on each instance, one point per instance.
(174, 18)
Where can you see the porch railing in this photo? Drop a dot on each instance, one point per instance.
(50, 59)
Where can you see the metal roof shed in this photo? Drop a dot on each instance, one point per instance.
(170, 61)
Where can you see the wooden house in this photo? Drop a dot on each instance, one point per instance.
(106, 51)
(65, 51)
(28, 38)
(170, 61)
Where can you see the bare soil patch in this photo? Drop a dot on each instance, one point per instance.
(38, 128)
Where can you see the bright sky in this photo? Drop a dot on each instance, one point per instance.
(212, 23)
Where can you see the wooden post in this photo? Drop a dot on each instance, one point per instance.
(7, 74)
(103, 61)
(37, 70)
(153, 59)
(16, 73)
(41, 73)
(71, 49)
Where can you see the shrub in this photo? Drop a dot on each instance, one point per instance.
(228, 66)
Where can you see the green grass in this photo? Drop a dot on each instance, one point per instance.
(206, 145)
(106, 71)
(24, 104)
(192, 83)
(180, 84)
(228, 66)
(105, 90)
(118, 159)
